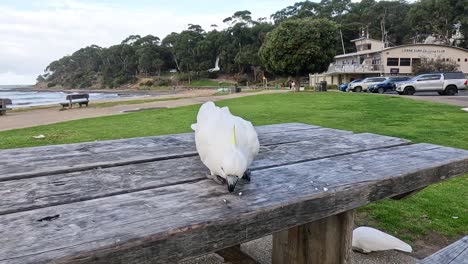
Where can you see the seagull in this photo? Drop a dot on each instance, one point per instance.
(216, 68)
(227, 144)
(368, 239)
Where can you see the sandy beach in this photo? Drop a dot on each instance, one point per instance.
(54, 114)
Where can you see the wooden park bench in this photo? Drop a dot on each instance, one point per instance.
(456, 253)
(81, 99)
(147, 200)
(4, 102)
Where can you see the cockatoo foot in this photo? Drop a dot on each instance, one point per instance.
(220, 179)
(246, 175)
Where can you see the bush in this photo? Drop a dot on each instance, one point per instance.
(184, 77)
(438, 65)
(51, 84)
(149, 83)
(207, 75)
(332, 87)
(164, 82)
(85, 85)
(242, 79)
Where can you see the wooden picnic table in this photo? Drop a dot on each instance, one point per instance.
(147, 200)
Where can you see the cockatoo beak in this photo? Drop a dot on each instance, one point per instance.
(232, 181)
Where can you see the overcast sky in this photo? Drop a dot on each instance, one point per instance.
(34, 33)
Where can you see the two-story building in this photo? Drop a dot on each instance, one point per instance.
(372, 58)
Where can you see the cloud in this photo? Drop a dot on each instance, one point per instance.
(32, 38)
(10, 78)
(35, 34)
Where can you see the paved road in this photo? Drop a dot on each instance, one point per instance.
(460, 100)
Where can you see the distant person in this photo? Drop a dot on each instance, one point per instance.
(293, 86)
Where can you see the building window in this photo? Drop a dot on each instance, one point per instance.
(466, 59)
(369, 46)
(392, 61)
(458, 60)
(416, 61)
(405, 62)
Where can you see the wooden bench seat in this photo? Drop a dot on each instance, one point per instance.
(81, 99)
(456, 253)
(4, 102)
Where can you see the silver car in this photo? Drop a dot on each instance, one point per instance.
(364, 84)
(444, 83)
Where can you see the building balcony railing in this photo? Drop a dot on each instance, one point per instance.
(355, 68)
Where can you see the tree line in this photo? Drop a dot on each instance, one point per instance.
(296, 40)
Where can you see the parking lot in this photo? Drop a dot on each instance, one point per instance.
(460, 100)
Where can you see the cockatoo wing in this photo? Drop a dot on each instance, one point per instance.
(211, 135)
(247, 138)
(369, 239)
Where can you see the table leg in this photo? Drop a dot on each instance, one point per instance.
(234, 255)
(325, 241)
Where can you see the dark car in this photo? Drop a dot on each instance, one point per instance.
(343, 86)
(387, 85)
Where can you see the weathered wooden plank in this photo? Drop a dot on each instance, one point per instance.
(324, 241)
(167, 224)
(283, 127)
(31, 162)
(234, 255)
(456, 253)
(31, 193)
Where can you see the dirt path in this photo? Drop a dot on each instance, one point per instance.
(22, 119)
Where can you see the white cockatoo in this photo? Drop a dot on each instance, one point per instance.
(227, 144)
(368, 239)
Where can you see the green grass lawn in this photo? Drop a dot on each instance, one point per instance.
(136, 101)
(432, 209)
(210, 83)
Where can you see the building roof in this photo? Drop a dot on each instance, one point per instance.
(356, 53)
(400, 46)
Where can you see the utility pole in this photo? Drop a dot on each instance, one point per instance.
(342, 42)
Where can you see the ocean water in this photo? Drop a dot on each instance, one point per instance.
(25, 97)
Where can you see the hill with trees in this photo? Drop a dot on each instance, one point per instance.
(248, 49)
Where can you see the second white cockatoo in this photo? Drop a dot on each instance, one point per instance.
(227, 144)
(368, 239)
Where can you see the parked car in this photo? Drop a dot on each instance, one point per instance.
(364, 84)
(345, 85)
(387, 85)
(447, 83)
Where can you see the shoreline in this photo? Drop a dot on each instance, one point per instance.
(48, 115)
(122, 94)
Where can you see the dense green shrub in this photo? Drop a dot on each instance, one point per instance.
(164, 82)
